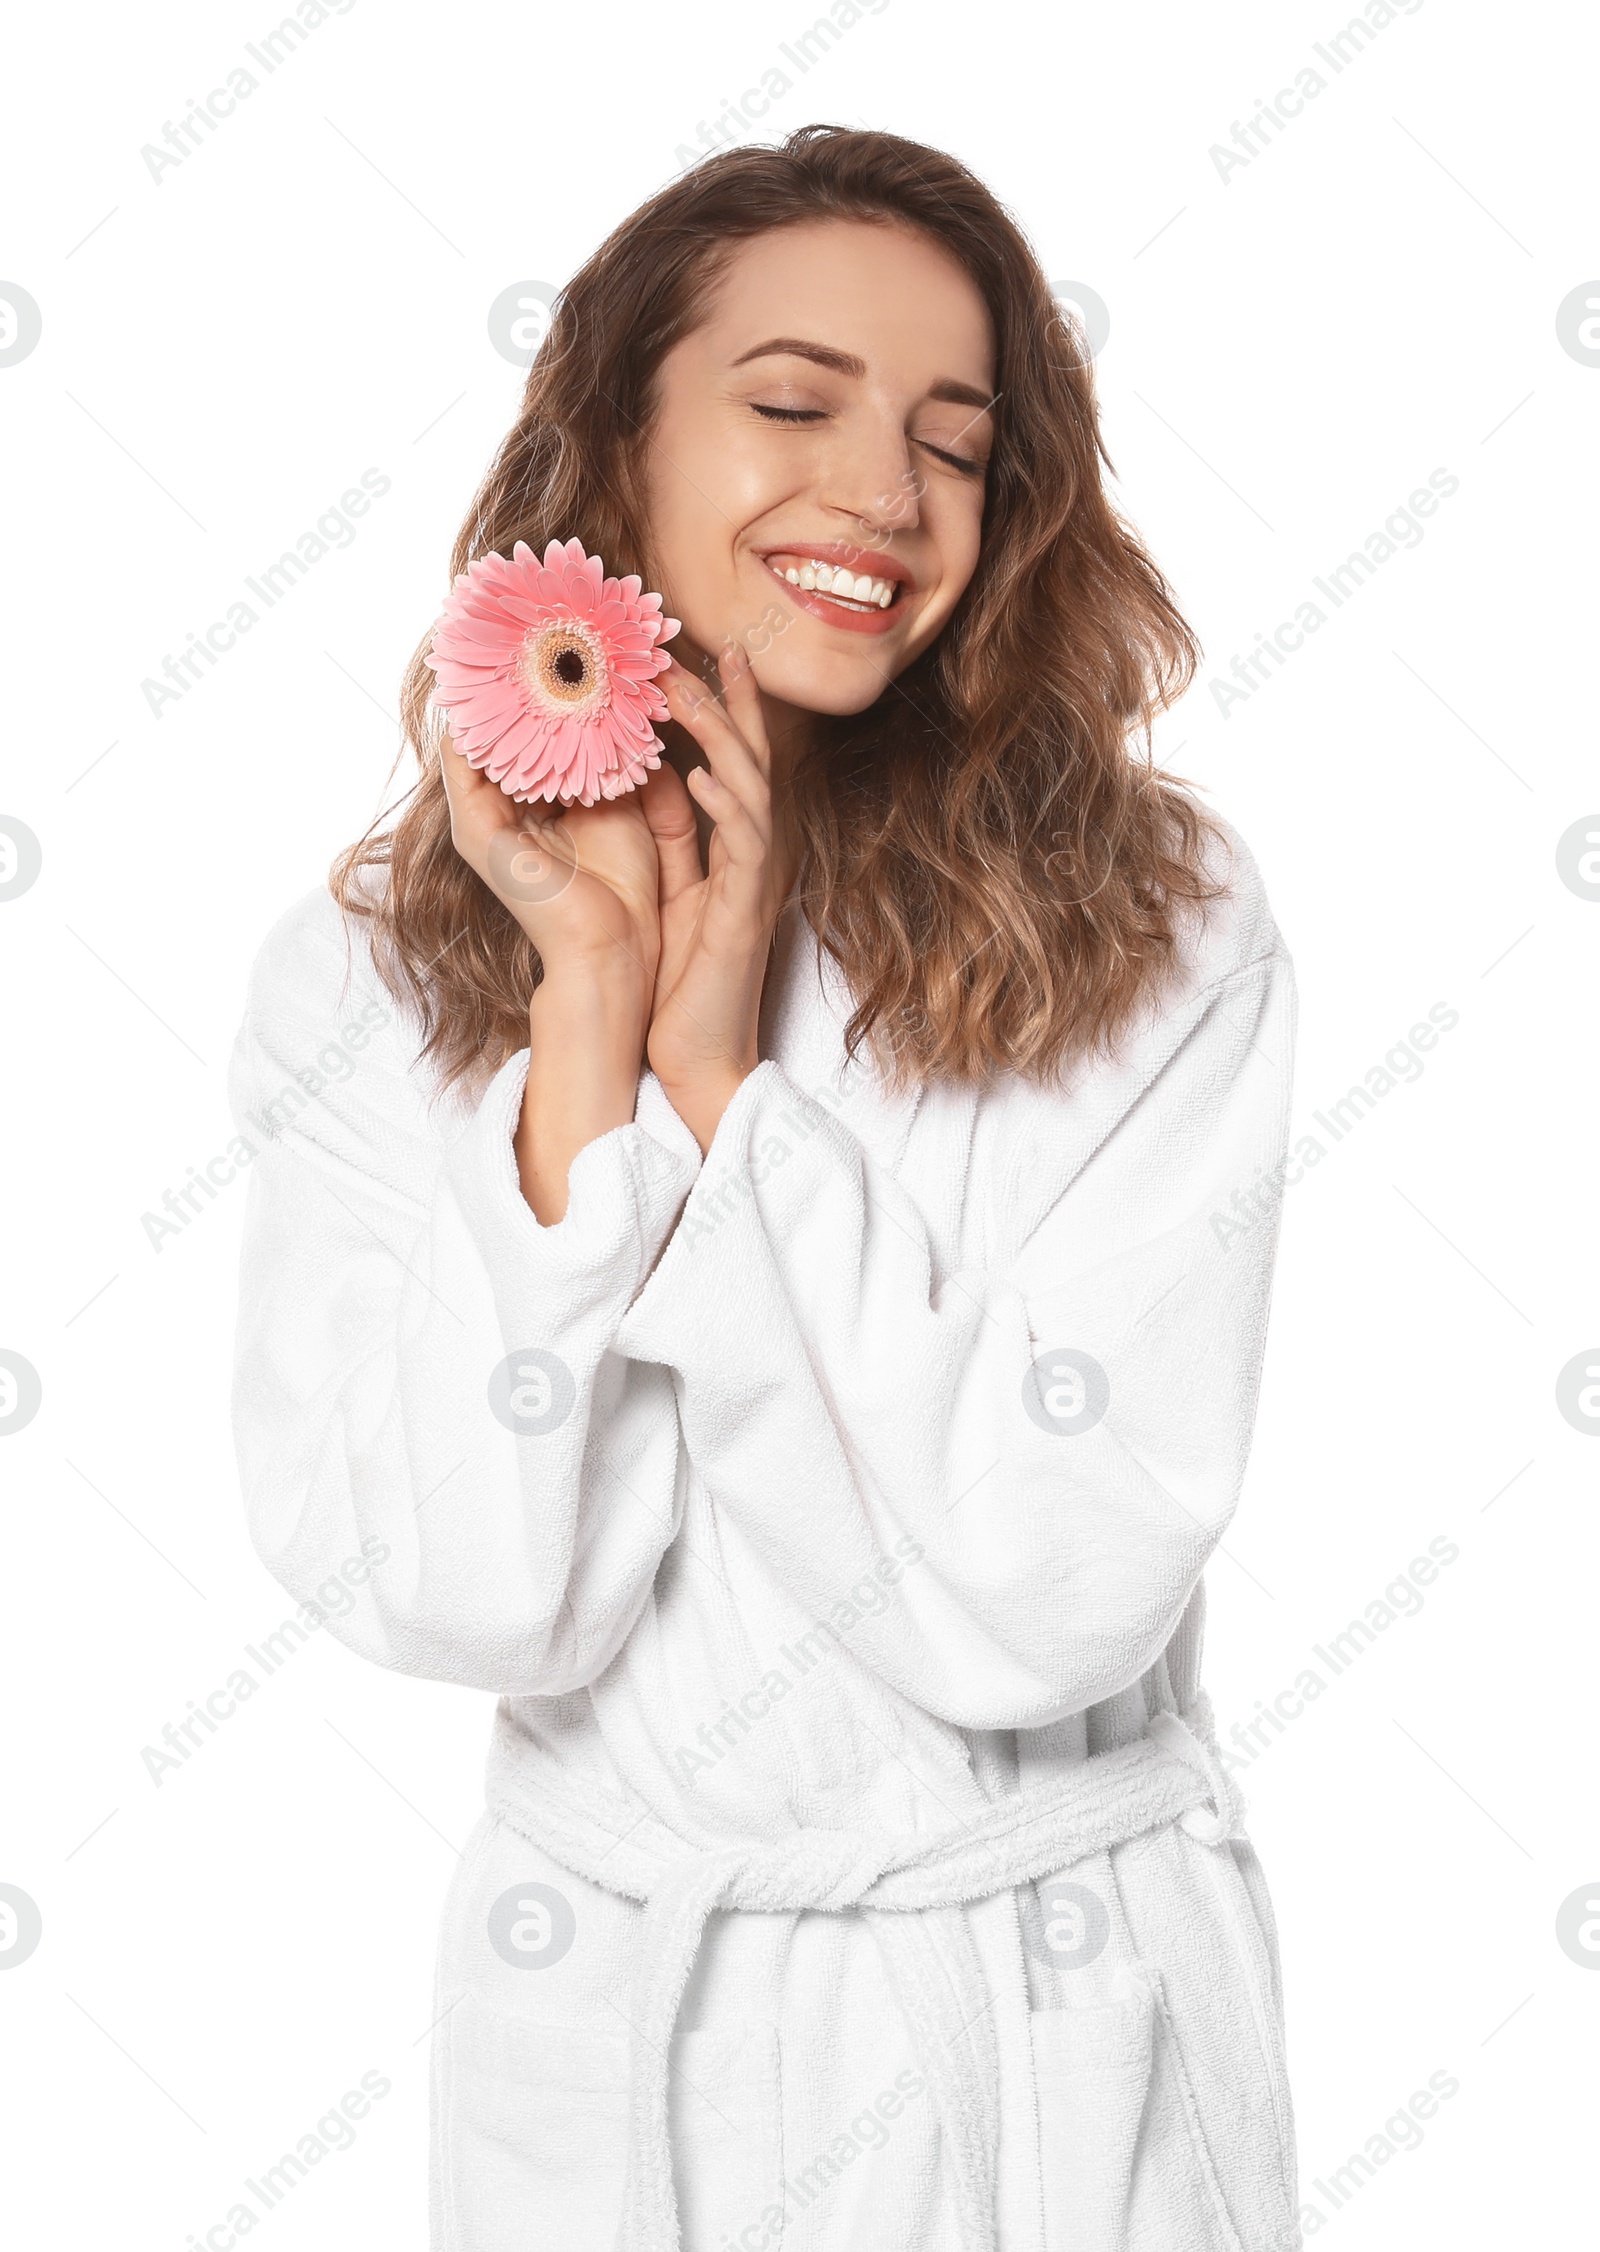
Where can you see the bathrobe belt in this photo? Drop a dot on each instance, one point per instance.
(911, 1891)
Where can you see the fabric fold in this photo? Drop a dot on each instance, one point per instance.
(830, 1513)
(430, 1412)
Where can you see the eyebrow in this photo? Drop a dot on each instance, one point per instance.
(946, 390)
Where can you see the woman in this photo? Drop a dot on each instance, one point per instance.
(765, 1299)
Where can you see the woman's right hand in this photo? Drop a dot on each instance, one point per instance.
(581, 881)
(585, 886)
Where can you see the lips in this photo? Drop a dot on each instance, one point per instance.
(857, 588)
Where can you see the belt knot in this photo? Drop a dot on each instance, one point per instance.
(828, 1869)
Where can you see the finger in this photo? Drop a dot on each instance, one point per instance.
(743, 841)
(744, 701)
(732, 760)
(669, 816)
(464, 785)
(736, 885)
(476, 799)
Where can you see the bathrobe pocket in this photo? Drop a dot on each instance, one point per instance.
(536, 2126)
(727, 2131)
(1092, 2073)
(536, 2133)
(1122, 2151)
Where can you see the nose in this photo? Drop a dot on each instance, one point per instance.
(870, 477)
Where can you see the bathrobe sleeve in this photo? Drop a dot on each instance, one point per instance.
(1039, 1453)
(438, 1446)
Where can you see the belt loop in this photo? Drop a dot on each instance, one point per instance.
(1209, 1824)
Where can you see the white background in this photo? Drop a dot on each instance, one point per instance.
(1293, 349)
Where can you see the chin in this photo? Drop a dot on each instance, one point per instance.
(834, 686)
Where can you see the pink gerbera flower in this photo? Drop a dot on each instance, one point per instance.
(547, 671)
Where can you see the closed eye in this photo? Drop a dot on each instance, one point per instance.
(963, 462)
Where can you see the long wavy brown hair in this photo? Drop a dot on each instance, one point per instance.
(988, 852)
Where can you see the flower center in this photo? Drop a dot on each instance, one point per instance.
(564, 668)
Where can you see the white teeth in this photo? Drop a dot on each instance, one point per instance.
(843, 585)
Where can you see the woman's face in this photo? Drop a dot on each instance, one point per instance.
(816, 465)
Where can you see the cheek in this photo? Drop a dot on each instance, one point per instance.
(676, 497)
(965, 530)
(704, 468)
(954, 522)
(743, 478)
(701, 491)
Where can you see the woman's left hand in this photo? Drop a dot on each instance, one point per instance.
(716, 928)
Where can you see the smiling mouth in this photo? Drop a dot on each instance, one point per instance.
(851, 590)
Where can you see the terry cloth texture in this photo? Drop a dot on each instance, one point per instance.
(829, 1516)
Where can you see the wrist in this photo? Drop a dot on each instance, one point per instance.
(700, 1098)
(608, 993)
(607, 964)
(585, 1047)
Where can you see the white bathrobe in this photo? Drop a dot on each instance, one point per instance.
(857, 1873)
